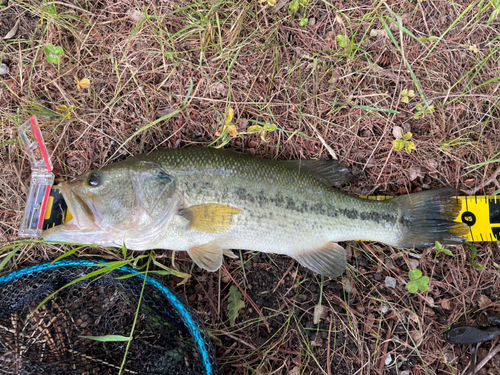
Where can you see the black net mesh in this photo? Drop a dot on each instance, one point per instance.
(168, 338)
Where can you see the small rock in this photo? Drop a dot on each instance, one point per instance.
(390, 282)
(414, 263)
(406, 372)
(388, 359)
(396, 132)
(377, 276)
(374, 32)
(301, 298)
(430, 301)
(389, 263)
(384, 308)
(362, 262)
(4, 69)
(416, 336)
(135, 15)
(312, 21)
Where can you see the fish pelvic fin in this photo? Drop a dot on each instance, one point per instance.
(330, 260)
(428, 217)
(229, 254)
(207, 256)
(211, 217)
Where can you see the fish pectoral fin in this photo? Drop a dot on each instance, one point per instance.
(329, 172)
(208, 256)
(330, 260)
(211, 217)
(229, 254)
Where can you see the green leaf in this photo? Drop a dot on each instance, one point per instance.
(254, 129)
(294, 6)
(270, 127)
(439, 247)
(493, 16)
(406, 136)
(235, 304)
(8, 257)
(472, 256)
(412, 286)
(53, 53)
(409, 146)
(398, 144)
(303, 22)
(430, 109)
(423, 283)
(447, 252)
(342, 41)
(107, 338)
(414, 274)
(419, 107)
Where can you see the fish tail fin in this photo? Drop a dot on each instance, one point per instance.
(429, 216)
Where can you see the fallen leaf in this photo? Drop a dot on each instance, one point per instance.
(484, 302)
(474, 48)
(83, 84)
(229, 116)
(447, 304)
(13, 31)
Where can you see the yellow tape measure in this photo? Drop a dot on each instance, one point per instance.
(480, 213)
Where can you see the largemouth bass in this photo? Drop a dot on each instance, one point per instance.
(207, 201)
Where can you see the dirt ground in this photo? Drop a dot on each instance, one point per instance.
(332, 80)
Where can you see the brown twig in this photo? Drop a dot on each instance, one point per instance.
(493, 179)
(383, 354)
(328, 362)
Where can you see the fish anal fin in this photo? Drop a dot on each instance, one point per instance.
(207, 256)
(329, 260)
(211, 217)
(330, 172)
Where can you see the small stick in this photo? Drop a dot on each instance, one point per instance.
(286, 273)
(493, 179)
(386, 346)
(490, 355)
(328, 362)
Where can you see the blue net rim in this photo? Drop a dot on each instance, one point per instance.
(183, 311)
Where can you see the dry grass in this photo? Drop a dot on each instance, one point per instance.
(202, 57)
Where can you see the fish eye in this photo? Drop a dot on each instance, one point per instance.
(93, 180)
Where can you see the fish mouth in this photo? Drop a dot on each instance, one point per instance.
(84, 214)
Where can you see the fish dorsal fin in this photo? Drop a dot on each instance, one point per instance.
(210, 217)
(153, 187)
(330, 172)
(330, 260)
(208, 256)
